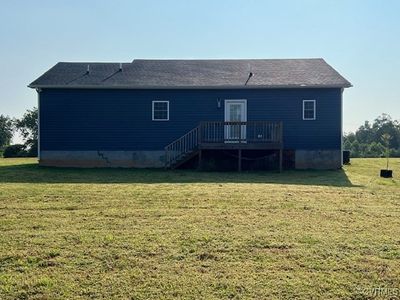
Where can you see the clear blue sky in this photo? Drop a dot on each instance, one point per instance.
(361, 39)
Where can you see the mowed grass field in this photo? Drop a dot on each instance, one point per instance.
(155, 234)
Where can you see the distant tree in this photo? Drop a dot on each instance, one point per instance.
(385, 125)
(347, 144)
(374, 150)
(16, 150)
(368, 141)
(350, 137)
(364, 134)
(355, 149)
(6, 131)
(28, 127)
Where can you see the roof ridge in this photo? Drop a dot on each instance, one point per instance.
(223, 59)
(94, 62)
(187, 59)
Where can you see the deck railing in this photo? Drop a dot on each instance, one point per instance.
(222, 132)
(240, 132)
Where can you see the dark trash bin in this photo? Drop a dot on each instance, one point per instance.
(346, 157)
(386, 173)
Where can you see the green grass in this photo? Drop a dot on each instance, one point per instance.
(155, 234)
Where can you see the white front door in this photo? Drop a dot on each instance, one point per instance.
(235, 111)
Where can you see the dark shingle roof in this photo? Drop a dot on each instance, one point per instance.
(229, 73)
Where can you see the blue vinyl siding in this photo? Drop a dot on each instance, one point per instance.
(122, 119)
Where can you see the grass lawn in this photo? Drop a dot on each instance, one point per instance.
(155, 234)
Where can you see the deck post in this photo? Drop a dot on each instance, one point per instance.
(199, 133)
(240, 160)
(200, 167)
(280, 159)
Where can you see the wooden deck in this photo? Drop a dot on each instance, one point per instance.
(219, 135)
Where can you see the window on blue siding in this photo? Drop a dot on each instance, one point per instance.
(160, 111)
(309, 112)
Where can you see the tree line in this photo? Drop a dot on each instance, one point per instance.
(373, 139)
(27, 127)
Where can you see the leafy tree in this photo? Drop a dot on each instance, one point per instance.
(351, 137)
(355, 149)
(368, 139)
(6, 131)
(385, 125)
(375, 150)
(365, 133)
(347, 144)
(28, 127)
(16, 150)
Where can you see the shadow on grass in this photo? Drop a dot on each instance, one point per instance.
(32, 173)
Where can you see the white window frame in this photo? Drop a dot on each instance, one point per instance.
(315, 110)
(152, 110)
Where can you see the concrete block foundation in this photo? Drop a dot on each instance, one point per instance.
(102, 159)
(318, 159)
(304, 159)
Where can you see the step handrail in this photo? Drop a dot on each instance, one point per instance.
(186, 144)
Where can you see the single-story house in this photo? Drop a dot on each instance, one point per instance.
(164, 113)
